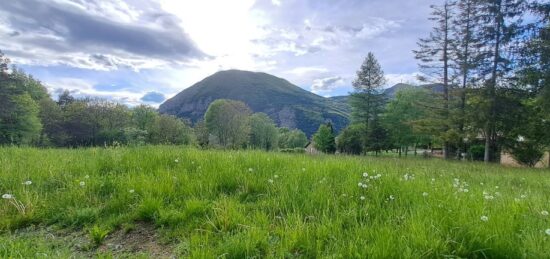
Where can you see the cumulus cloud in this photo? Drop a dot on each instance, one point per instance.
(80, 34)
(153, 97)
(326, 84)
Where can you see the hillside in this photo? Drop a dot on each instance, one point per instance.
(287, 104)
(342, 101)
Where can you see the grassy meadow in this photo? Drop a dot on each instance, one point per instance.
(180, 202)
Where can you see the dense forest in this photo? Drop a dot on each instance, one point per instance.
(491, 59)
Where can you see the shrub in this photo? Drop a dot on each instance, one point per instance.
(477, 152)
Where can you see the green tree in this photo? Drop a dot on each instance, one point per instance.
(402, 115)
(19, 97)
(201, 133)
(51, 117)
(227, 121)
(144, 116)
(351, 139)
(501, 30)
(263, 132)
(291, 138)
(324, 139)
(368, 99)
(169, 129)
(434, 56)
(20, 124)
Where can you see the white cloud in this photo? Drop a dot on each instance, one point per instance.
(326, 84)
(300, 71)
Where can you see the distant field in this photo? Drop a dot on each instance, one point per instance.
(171, 201)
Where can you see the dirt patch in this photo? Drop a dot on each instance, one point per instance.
(142, 238)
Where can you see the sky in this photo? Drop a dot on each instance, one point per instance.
(145, 51)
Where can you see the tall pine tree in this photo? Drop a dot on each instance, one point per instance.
(434, 56)
(500, 31)
(368, 99)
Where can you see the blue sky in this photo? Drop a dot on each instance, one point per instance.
(144, 51)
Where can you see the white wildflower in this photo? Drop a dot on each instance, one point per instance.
(484, 218)
(177, 160)
(365, 175)
(360, 184)
(489, 197)
(27, 183)
(82, 184)
(465, 190)
(87, 176)
(544, 213)
(392, 197)
(250, 169)
(7, 196)
(362, 198)
(425, 194)
(364, 186)
(131, 191)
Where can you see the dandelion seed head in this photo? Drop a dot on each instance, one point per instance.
(27, 183)
(131, 191)
(484, 218)
(7, 196)
(365, 174)
(362, 198)
(544, 213)
(392, 197)
(82, 184)
(86, 176)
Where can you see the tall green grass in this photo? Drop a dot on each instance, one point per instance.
(238, 204)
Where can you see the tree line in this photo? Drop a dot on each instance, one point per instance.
(486, 64)
(29, 116)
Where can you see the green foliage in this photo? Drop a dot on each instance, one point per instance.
(324, 140)
(19, 110)
(377, 137)
(351, 140)
(527, 153)
(227, 121)
(263, 132)
(404, 116)
(135, 137)
(168, 129)
(98, 234)
(476, 152)
(290, 139)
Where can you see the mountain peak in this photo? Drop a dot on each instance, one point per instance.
(287, 104)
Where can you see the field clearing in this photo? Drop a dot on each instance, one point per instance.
(175, 201)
